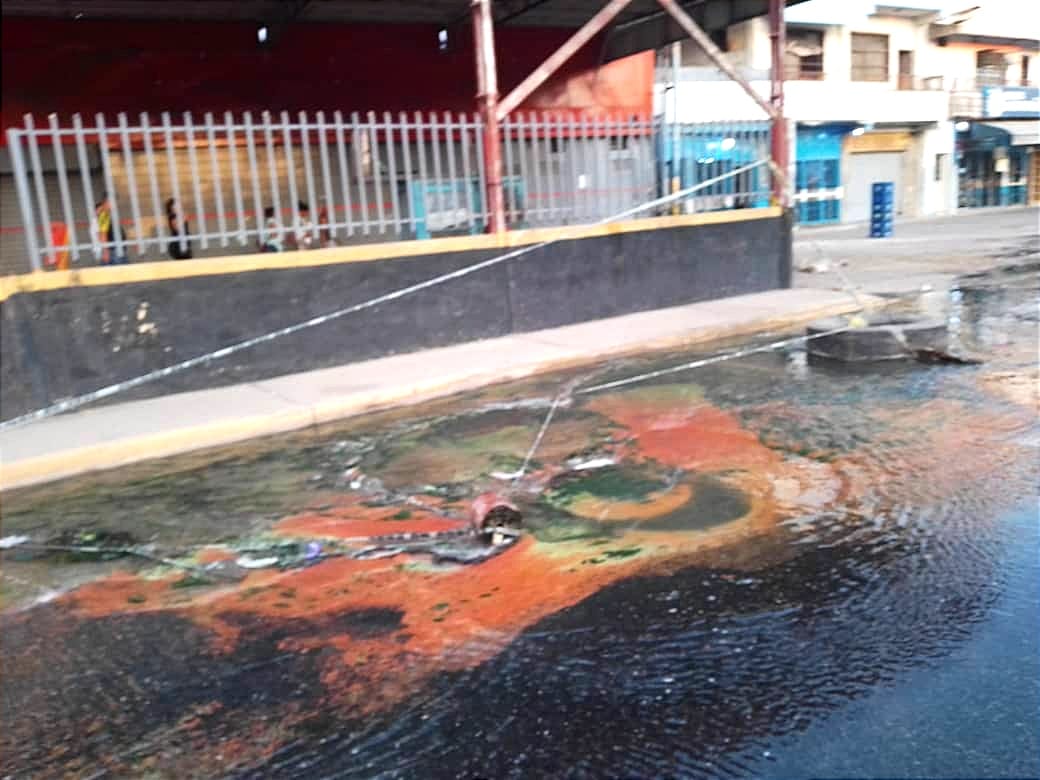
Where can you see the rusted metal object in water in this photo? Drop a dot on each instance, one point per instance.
(494, 518)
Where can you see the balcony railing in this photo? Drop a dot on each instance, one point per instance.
(977, 84)
(905, 81)
(968, 96)
(804, 71)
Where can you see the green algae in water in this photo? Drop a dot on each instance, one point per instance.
(192, 581)
(612, 483)
(605, 556)
(671, 393)
(567, 531)
(714, 503)
(623, 552)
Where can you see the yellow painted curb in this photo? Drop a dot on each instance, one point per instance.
(60, 465)
(363, 253)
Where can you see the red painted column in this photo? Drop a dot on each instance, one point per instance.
(487, 97)
(779, 151)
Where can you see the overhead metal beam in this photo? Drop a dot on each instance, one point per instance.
(539, 75)
(656, 29)
(715, 54)
(516, 14)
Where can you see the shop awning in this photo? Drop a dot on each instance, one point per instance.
(1022, 133)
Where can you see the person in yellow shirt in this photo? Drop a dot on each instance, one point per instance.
(112, 251)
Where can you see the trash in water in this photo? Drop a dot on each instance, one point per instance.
(248, 562)
(506, 476)
(592, 463)
(374, 553)
(494, 517)
(7, 542)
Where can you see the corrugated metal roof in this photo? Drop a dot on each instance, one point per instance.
(643, 25)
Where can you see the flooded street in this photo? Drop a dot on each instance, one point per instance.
(765, 567)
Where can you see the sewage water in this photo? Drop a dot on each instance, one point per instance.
(767, 567)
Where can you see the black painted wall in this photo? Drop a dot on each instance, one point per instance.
(62, 343)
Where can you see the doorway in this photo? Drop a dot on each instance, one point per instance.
(906, 69)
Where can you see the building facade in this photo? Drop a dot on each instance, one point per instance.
(995, 102)
(942, 105)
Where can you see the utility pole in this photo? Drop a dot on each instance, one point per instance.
(487, 98)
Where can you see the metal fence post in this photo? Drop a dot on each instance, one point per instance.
(63, 185)
(116, 245)
(356, 142)
(377, 169)
(406, 148)
(131, 182)
(21, 181)
(41, 191)
(344, 173)
(85, 179)
(153, 182)
(175, 183)
(308, 176)
(326, 175)
(214, 172)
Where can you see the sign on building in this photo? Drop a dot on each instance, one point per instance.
(1011, 102)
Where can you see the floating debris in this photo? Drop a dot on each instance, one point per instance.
(249, 562)
(593, 463)
(494, 518)
(506, 476)
(7, 542)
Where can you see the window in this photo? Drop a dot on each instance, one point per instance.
(990, 68)
(1024, 80)
(803, 56)
(940, 166)
(869, 57)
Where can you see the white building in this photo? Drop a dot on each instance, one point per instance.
(872, 92)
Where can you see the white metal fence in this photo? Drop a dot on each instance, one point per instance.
(148, 190)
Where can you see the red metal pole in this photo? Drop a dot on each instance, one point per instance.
(779, 151)
(487, 97)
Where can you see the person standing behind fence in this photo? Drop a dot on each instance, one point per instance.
(302, 236)
(179, 247)
(111, 252)
(271, 233)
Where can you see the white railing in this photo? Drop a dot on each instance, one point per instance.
(141, 189)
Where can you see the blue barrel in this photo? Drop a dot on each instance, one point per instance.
(882, 206)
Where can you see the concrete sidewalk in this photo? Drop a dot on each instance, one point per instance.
(110, 436)
(925, 252)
